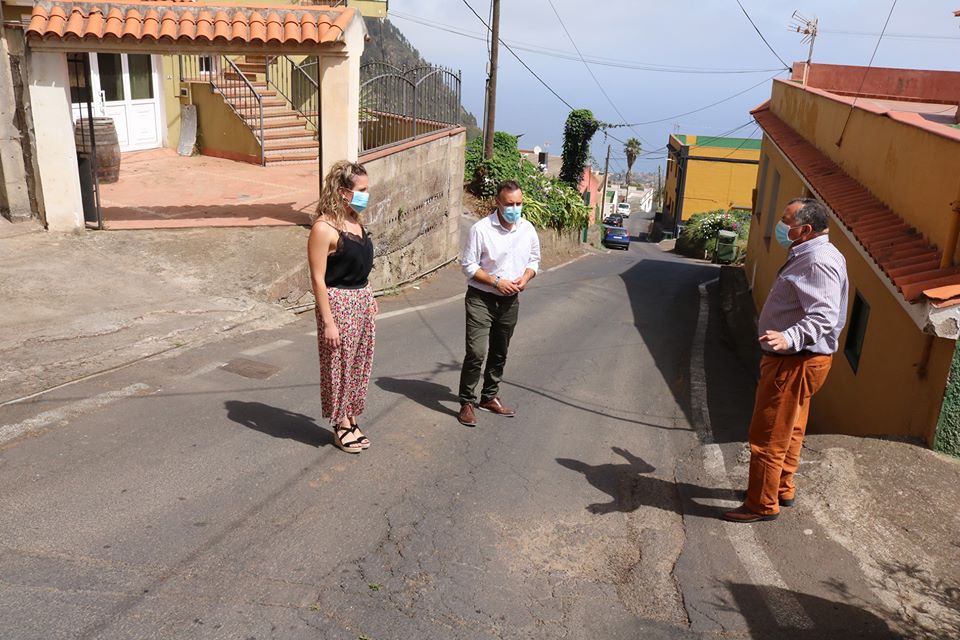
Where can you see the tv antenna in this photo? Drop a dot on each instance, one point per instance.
(807, 27)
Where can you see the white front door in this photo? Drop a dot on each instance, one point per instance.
(126, 88)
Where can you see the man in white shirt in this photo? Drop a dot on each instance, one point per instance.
(501, 256)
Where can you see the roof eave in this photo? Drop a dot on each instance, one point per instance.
(940, 318)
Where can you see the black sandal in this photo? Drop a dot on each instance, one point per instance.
(351, 446)
(363, 440)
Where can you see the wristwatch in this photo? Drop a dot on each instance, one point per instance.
(496, 282)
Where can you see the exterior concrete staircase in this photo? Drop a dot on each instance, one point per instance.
(286, 137)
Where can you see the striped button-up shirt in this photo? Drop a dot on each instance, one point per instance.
(808, 300)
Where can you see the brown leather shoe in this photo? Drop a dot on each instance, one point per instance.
(742, 514)
(493, 405)
(466, 416)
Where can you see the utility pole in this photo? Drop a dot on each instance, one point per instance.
(657, 205)
(603, 192)
(488, 127)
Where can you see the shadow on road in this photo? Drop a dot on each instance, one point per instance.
(665, 299)
(763, 608)
(630, 489)
(583, 406)
(425, 393)
(278, 423)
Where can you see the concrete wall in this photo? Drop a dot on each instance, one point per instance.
(170, 88)
(56, 151)
(415, 192)
(20, 197)
(709, 185)
(918, 84)
(220, 131)
(559, 243)
(717, 185)
(14, 195)
(340, 99)
(890, 393)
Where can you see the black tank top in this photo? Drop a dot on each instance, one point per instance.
(349, 266)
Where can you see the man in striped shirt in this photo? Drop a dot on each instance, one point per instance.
(799, 329)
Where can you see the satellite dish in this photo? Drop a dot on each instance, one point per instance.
(536, 151)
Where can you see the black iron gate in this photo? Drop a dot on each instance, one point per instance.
(81, 92)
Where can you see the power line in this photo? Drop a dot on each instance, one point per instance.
(712, 104)
(704, 141)
(566, 55)
(571, 107)
(905, 36)
(590, 71)
(745, 140)
(755, 28)
(865, 72)
(519, 59)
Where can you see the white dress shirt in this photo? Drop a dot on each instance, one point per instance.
(500, 252)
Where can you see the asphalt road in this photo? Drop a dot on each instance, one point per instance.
(181, 499)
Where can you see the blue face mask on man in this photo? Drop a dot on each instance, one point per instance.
(782, 233)
(512, 213)
(359, 201)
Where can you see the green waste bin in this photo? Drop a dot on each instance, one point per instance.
(726, 248)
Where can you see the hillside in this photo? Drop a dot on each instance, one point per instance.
(388, 44)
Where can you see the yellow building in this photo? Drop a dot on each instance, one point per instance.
(887, 165)
(706, 173)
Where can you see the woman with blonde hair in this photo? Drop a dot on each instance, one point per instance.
(340, 253)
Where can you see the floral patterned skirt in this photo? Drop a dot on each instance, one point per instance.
(345, 371)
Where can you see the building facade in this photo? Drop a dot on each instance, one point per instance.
(882, 150)
(706, 173)
(142, 63)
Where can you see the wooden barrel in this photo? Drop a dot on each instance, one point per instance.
(108, 148)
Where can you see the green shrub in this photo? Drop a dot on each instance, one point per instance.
(483, 176)
(547, 202)
(700, 231)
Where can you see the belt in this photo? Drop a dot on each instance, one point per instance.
(806, 353)
(490, 295)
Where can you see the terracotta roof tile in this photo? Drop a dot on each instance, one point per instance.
(910, 261)
(177, 20)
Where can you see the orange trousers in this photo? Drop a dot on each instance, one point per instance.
(779, 422)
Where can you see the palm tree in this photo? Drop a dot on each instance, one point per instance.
(632, 149)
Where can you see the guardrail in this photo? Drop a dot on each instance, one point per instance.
(399, 104)
(297, 83)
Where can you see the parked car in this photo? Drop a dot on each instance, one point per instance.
(623, 209)
(616, 237)
(613, 220)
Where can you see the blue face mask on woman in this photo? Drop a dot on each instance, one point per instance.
(512, 213)
(782, 233)
(359, 201)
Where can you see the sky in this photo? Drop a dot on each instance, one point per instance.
(679, 35)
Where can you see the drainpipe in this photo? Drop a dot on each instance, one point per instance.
(681, 187)
(946, 260)
(950, 250)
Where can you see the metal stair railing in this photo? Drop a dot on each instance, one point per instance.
(232, 84)
(297, 85)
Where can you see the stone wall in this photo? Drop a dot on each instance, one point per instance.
(416, 196)
(557, 246)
